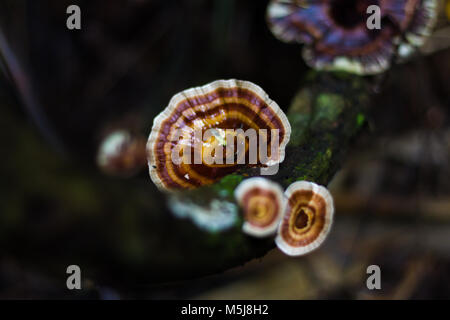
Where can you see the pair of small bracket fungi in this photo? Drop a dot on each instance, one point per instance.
(233, 104)
(302, 216)
(336, 35)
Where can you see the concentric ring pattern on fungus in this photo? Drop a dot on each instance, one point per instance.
(262, 202)
(307, 219)
(220, 107)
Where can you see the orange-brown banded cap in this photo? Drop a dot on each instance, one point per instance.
(307, 219)
(225, 108)
(262, 202)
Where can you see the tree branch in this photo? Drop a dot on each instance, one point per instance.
(124, 232)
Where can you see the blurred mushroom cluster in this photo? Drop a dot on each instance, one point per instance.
(337, 36)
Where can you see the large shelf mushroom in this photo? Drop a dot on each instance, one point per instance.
(336, 35)
(220, 107)
(307, 220)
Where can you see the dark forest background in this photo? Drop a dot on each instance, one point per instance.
(392, 195)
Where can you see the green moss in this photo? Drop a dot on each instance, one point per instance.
(326, 100)
(313, 170)
(328, 108)
(342, 75)
(302, 103)
(225, 187)
(299, 124)
(360, 120)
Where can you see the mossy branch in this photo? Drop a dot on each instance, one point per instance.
(325, 115)
(124, 232)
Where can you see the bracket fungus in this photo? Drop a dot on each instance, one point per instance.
(307, 219)
(262, 202)
(336, 33)
(197, 126)
(121, 153)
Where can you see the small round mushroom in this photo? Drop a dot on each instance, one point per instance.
(121, 153)
(262, 202)
(307, 219)
(217, 108)
(337, 37)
